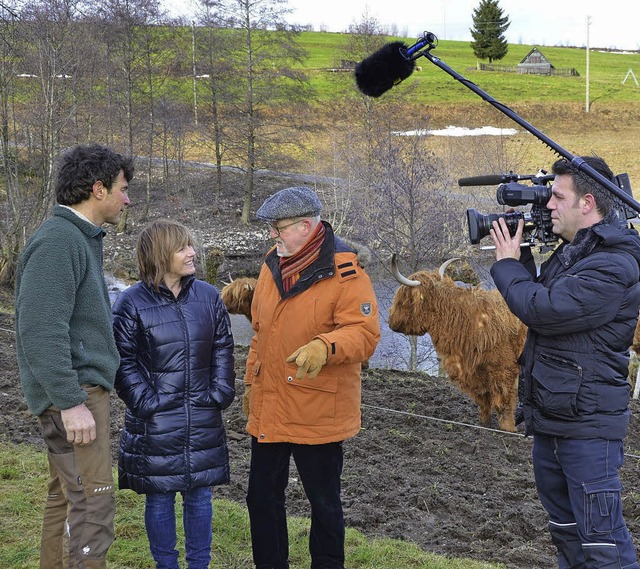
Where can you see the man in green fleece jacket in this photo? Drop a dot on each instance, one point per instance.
(67, 354)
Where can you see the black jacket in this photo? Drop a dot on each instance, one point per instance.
(581, 313)
(176, 375)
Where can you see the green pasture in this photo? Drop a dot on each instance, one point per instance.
(22, 491)
(432, 85)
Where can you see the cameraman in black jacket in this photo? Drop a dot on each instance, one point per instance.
(581, 313)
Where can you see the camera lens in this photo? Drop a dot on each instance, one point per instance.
(480, 224)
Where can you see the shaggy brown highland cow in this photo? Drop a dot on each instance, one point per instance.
(474, 333)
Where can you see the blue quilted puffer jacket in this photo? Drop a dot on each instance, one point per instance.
(176, 376)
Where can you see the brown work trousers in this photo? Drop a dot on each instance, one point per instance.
(77, 528)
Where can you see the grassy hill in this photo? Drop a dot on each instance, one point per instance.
(607, 70)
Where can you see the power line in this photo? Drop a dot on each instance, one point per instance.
(442, 420)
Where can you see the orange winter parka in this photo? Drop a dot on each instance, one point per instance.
(334, 301)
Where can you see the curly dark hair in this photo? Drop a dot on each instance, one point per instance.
(82, 166)
(584, 184)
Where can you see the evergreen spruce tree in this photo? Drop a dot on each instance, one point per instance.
(489, 26)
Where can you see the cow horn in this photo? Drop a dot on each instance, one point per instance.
(444, 265)
(400, 278)
(225, 283)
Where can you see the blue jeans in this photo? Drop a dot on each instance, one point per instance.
(578, 485)
(320, 468)
(160, 523)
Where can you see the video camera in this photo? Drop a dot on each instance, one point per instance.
(538, 228)
(537, 222)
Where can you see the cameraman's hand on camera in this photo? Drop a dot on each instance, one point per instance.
(507, 247)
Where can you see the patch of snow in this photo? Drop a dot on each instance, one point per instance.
(460, 131)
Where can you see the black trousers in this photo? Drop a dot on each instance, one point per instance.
(320, 469)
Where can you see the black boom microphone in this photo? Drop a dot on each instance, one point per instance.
(383, 69)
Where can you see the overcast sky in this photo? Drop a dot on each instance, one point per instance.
(614, 23)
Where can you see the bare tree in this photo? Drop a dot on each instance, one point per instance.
(154, 50)
(174, 119)
(365, 36)
(38, 60)
(214, 64)
(123, 19)
(136, 73)
(11, 228)
(269, 80)
(410, 209)
(362, 112)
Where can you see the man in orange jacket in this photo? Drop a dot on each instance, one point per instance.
(315, 320)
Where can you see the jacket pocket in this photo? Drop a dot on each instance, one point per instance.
(603, 506)
(134, 425)
(556, 383)
(310, 402)
(204, 399)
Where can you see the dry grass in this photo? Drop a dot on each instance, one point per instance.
(609, 130)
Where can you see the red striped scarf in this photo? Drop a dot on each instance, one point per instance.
(291, 267)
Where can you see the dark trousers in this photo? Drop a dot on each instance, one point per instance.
(320, 468)
(577, 481)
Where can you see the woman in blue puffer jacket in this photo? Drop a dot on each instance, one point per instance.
(175, 377)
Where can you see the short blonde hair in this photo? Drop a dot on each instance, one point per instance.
(157, 243)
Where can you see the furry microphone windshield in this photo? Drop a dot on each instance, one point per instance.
(383, 69)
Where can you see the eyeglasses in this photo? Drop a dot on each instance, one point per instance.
(278, 229)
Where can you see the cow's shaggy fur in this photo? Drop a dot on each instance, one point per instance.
(475, 335)
(238, 295)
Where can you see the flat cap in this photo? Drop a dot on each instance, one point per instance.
(298, 201)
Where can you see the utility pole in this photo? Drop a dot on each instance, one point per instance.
(193, 70)
(444, 23)
(587, 102)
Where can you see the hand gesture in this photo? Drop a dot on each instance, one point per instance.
(309, 358)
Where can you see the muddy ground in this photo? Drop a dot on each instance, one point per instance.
(420, 470)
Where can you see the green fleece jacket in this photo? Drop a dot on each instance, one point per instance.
(64, 333)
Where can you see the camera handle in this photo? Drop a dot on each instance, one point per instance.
(429, 41)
